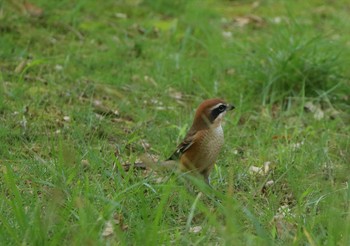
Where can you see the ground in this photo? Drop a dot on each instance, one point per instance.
(87, 88)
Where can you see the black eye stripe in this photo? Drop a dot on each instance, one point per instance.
(217, 111)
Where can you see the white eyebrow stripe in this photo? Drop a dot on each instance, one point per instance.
(216, 106)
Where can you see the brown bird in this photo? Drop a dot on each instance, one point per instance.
(200, 148)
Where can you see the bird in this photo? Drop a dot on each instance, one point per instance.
(199, 150)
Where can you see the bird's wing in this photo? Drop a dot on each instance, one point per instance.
(184, 145)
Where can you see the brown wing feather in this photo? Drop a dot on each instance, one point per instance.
(184, 145)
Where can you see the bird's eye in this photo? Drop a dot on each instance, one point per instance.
(222, 108)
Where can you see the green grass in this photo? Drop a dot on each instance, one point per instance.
(65, 74)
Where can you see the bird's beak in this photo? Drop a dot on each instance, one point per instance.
(229, 107)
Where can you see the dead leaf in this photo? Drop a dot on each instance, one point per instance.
(269, 183)
(318, 114)
(20, 67)
(149, 79)
(85, 164)
(266, 186)
(23, 123)
(108, 230)
(261, 171)
(58, 67)
(159, 180)
(277, 20)
(135, 78)
(309, 107)
(253, 170)
(121, 15)
(161, 108)
(315, 109)
(33, 10)
(174, 94)
(117, 219)
(255, 4)
(332, 113)
(296, 146)
(136, 165)
(145, 145)
(285, 228)
(230, 71)
(227, 34)
(283, 137)
(254, 20)
(195, 229)
(267, 167)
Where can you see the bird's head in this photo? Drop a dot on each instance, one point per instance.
(210, 113)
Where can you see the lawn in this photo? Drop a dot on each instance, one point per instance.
(88, 87)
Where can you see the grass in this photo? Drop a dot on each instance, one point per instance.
(88, 87)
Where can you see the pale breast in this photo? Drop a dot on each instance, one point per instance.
(211, 146)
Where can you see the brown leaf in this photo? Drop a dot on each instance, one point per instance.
(227, 34)
(118, 219)
(195, 229)
(145, 145)
(33, 10)
(85, 164)
(175, 94)
(121, 15)
(108, 230)
(230, 71)
(137, 165)
(20, 67)
(266, 186)
(281, 137)
(267, 167)
(254, 20)
(332, 113)
(315, 109)
(296, 146)
(150, 80)
(285, 228)
(253, 170)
